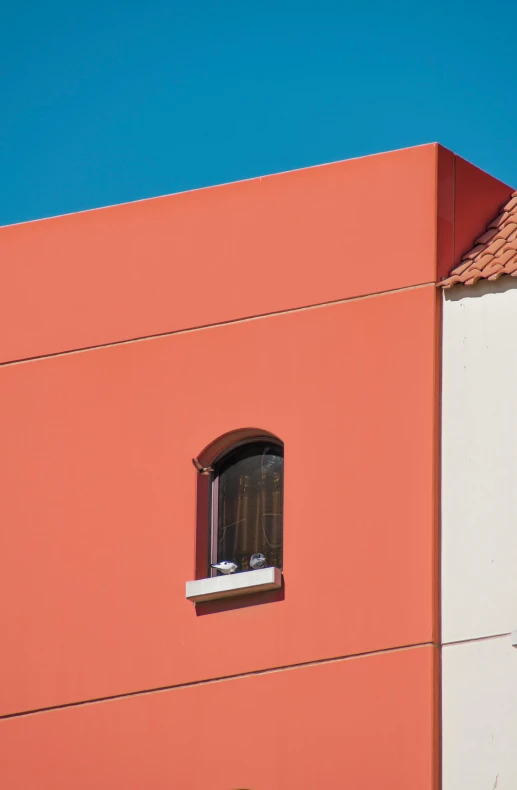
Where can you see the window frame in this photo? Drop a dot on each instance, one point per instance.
(213, 492)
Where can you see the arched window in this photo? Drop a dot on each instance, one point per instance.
(247, 493)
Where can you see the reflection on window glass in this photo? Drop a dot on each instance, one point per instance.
(250, 505)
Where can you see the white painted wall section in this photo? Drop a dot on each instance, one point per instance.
(479, 709)
(479, 462)
(479, 537)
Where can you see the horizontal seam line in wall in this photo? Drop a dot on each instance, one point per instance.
(476, 639)
(216, 325)
(270, 671)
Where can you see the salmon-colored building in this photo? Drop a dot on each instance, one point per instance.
(294, 318)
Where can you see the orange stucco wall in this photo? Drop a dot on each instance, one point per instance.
(365, 723)
(105, 512)
(98, 504)
(213, 255)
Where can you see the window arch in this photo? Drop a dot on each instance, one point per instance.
(246, 503)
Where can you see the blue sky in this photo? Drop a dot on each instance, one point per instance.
(107, 102)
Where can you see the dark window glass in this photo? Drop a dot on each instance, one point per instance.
(249, 494)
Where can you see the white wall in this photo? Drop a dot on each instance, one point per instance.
(479, 708)
(479, 536)
(479, 461)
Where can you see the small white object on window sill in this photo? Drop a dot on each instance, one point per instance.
(514, 638)
(234, 584)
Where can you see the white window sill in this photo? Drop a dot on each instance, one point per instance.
(234, 584)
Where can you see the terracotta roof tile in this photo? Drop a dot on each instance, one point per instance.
(493, 269)
(487, 235)
(475, 251)
(494, 253)
(496, 246)
(483, 260)
(507, 256)
(507, 230)
(462, 267)
(499, 220)
(475, 276)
